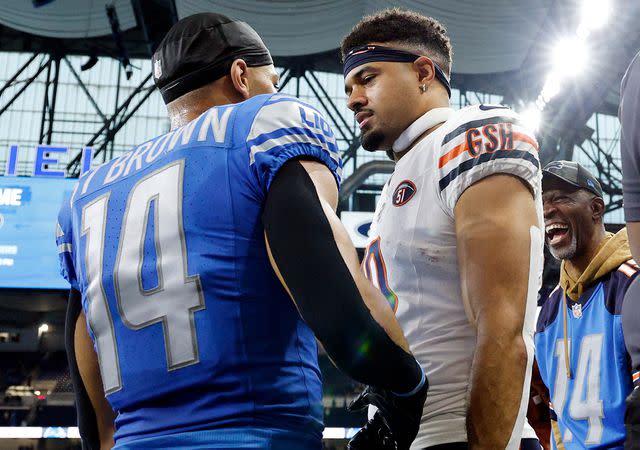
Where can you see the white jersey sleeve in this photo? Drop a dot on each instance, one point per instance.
(484, 141)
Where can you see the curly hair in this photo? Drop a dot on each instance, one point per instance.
(424, 33)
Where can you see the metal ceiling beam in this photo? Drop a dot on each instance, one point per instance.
(49, 104)
(565, 117)
(85, 90)
(27, 83)
(114, 123)
(17, 73)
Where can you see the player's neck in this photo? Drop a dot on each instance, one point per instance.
(398, 155)
(183, 114)
(191, 105)
(436, 101)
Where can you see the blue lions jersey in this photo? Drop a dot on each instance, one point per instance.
(589, 406)
(191, 326)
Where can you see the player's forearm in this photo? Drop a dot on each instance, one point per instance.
(496, 388)
(372, 297)
(381, 335)
(316, 262)
(106, 439)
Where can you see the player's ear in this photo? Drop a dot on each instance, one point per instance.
(425, 69)
(240, 78)
(597, 208)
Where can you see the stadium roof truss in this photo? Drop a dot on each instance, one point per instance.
(141, 24)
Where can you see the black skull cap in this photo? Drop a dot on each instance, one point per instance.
(200, 49)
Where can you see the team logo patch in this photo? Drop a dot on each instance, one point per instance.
(403, 193)
(577, 310)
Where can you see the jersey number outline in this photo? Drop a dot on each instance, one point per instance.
(177, 295)
(587, 381)
(375, 270)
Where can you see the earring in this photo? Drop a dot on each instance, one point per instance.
(423, 88)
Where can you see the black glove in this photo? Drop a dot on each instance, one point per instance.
(375, 435)
(401, 414)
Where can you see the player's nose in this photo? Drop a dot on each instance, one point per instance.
(356, 99)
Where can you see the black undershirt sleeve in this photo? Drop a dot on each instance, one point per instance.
(305, 252)
(87, 422)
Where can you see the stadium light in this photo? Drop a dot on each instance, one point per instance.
(43, 329)
(595, 14)
(570, 56)
(531, 117)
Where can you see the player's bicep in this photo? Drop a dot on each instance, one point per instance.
(323, 180)
(494, 220)
(307, 189)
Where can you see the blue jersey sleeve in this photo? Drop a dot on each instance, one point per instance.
(64, 241)
(285, 128)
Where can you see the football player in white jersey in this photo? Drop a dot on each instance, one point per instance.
(456, 243)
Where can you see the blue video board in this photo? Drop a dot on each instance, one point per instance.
(28, 215)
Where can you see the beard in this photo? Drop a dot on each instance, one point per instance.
(566, 252)
(372, 140)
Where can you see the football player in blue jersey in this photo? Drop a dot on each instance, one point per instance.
(580, 336)
(185, 253)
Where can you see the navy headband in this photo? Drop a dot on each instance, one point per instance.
(377, 53)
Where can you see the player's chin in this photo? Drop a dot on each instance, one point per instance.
(563, 250)
(372, 140)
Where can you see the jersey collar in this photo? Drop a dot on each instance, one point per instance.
(430, 119)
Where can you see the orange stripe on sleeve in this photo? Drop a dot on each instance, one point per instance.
(628, 271)
(460, 149)
(451, 154)
(521, 137)
(632, 267)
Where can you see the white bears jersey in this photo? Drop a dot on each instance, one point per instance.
(412, 257)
